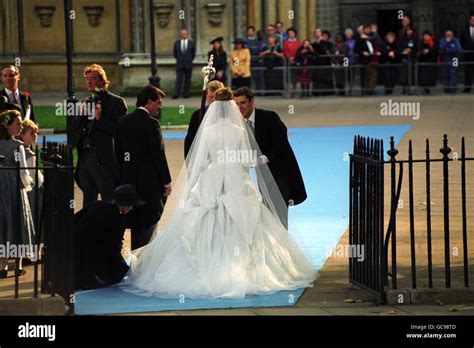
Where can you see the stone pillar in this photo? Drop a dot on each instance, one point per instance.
(271, 11)
(9, 25)
(422, 13)
(300, 16)
(240, 11)
(311, 19)
(137, 26)
(284, 7)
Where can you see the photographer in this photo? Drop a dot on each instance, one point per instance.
(95, 166)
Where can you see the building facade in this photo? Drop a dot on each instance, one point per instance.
(116, 33)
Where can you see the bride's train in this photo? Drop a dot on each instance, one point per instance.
(225, 237)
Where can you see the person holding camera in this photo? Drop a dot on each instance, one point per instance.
(95, 172)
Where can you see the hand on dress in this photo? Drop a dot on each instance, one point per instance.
(167, 191)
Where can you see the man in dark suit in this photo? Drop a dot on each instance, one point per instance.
(96, 169)
(10, 79)
(184, 51)
(141, 157)
(368, 52)
(194, 123)
(98, 239)
(272, 138)
(467, 43)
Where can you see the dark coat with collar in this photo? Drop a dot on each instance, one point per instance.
(467, 44)
(184, 60)
(192, 130)
(101, 133)
(25, 103)
(272, 138)
(98, 238)
(140, 151)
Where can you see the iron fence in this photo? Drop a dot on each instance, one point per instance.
(53, 209)
(379, 270)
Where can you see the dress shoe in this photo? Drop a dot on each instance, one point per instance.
(175, 97)
(20, 272)
(3, 274)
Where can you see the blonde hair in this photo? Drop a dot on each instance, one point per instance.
(214, 85)
(29, 125)
(100, 71)
(224, 94)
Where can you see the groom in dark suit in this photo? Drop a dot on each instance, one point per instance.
(271, 136)
(184, 51)
(140, 151)
(10, 80)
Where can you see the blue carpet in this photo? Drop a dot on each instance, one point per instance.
(320, 221)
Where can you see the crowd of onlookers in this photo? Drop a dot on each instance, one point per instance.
(277, 59)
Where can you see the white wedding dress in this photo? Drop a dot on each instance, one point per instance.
(225, 237)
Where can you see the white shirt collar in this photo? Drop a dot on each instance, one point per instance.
(142, 108)
(252, 116)
(11, 92)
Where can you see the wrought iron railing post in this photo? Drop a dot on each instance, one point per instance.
(445, 150)
(464, 212)
(392, 152)
(412, 214)
(428, 215)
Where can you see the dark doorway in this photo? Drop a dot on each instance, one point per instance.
(387, 20)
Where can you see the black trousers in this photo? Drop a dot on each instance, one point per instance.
(183, 73)
(468, 73)
(95, 178)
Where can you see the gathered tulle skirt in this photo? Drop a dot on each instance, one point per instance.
(222, 242)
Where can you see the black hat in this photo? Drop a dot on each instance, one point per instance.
(239, 40)
(219, 38)
(5, 105)
(126, 195)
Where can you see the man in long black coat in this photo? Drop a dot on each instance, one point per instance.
(467, 43)
(141, 157)
(194, 122)
(98, 238)
(93, 136)
(271, 136)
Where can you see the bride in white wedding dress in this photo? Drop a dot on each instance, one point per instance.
(226, 235)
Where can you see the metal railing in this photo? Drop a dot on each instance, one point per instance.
(366, 215)
(345, 79)
(53, 209)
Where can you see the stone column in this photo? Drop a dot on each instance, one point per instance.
(311, 19)
(239, 17)
(423, 16)
(137, 26)
(9, 24)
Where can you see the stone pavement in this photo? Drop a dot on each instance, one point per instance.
(332, 294)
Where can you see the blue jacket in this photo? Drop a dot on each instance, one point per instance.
(449, 50)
